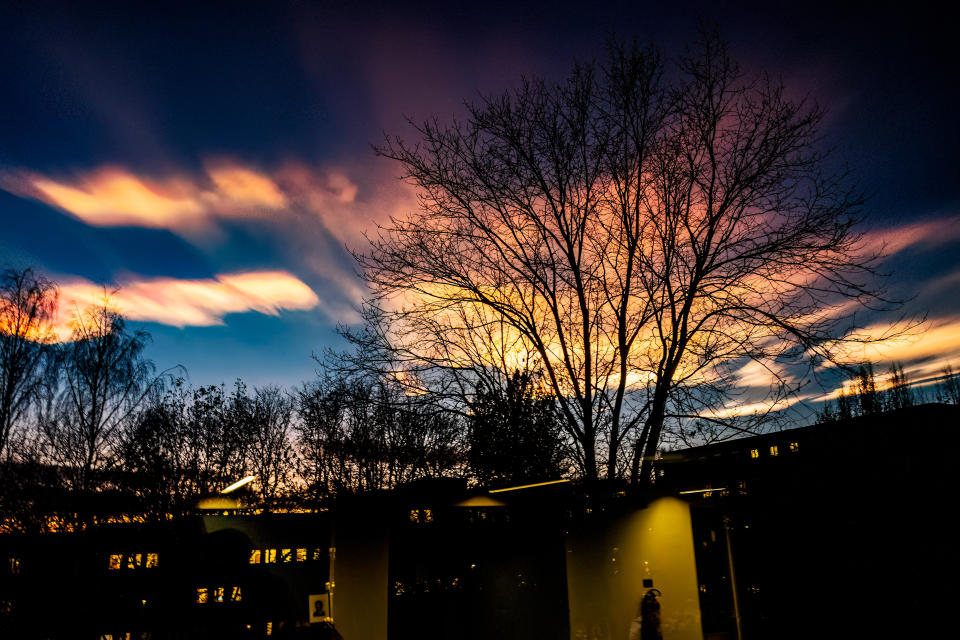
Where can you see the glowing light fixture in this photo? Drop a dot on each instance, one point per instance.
(529, 486)
(236, 485)
(701, 490)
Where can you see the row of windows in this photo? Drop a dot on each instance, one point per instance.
(284, 556)
(792, 447)
(118, 561)
(208, 595)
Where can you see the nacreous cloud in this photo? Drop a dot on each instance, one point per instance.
(183, 303)
(226, 190)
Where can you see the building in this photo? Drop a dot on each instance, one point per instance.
(838, 530)
(833, 530)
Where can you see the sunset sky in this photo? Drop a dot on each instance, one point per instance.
(214, 161)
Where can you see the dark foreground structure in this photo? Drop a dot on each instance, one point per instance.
(834, 530)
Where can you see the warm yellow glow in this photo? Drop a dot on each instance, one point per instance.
(218, 594)
(217, 503)
(794, 447)
(270, 556)
(754, 453)
(115, 562)
(480, 502)
(203, 595)
(301, 554)
(774, 450)
(255, 556)
(285, 555)
(239, 483)
(706, 491)
(529, 486)
(653, 543)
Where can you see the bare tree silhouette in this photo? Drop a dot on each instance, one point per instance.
(103, 378)
(27, 306)
(636, 232)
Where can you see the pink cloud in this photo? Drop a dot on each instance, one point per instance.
(891, 240)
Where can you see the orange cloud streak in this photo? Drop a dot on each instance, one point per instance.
(202, 302)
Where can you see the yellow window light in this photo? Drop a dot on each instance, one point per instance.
(774, 450)
(203, 595)
(255, 556)
(754, 453)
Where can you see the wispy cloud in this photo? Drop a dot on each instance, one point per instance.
(307, 214)
(226, 190)
(200, 302)
(890, 240)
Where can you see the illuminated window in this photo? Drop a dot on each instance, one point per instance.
(152, 559)
(286, 555)
(774, 450)
(255, 556)
(236, 595)
(269, 628)
(6, 607)
(115, 562)
(301, 554)
(427, 515)
(414, 515)
(218, 594)
(133, 561)
(754, 453)
(15, 566)
(794, 447)
(269, 555)
(703, 588)
(317, 554)
(203, 595)
(742, 486)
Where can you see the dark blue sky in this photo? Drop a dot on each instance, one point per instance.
(198, 110)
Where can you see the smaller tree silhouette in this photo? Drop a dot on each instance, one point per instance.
(515, 433)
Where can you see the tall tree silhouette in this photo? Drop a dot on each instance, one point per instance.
(636, 234)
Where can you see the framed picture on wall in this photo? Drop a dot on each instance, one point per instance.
(321, 607)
